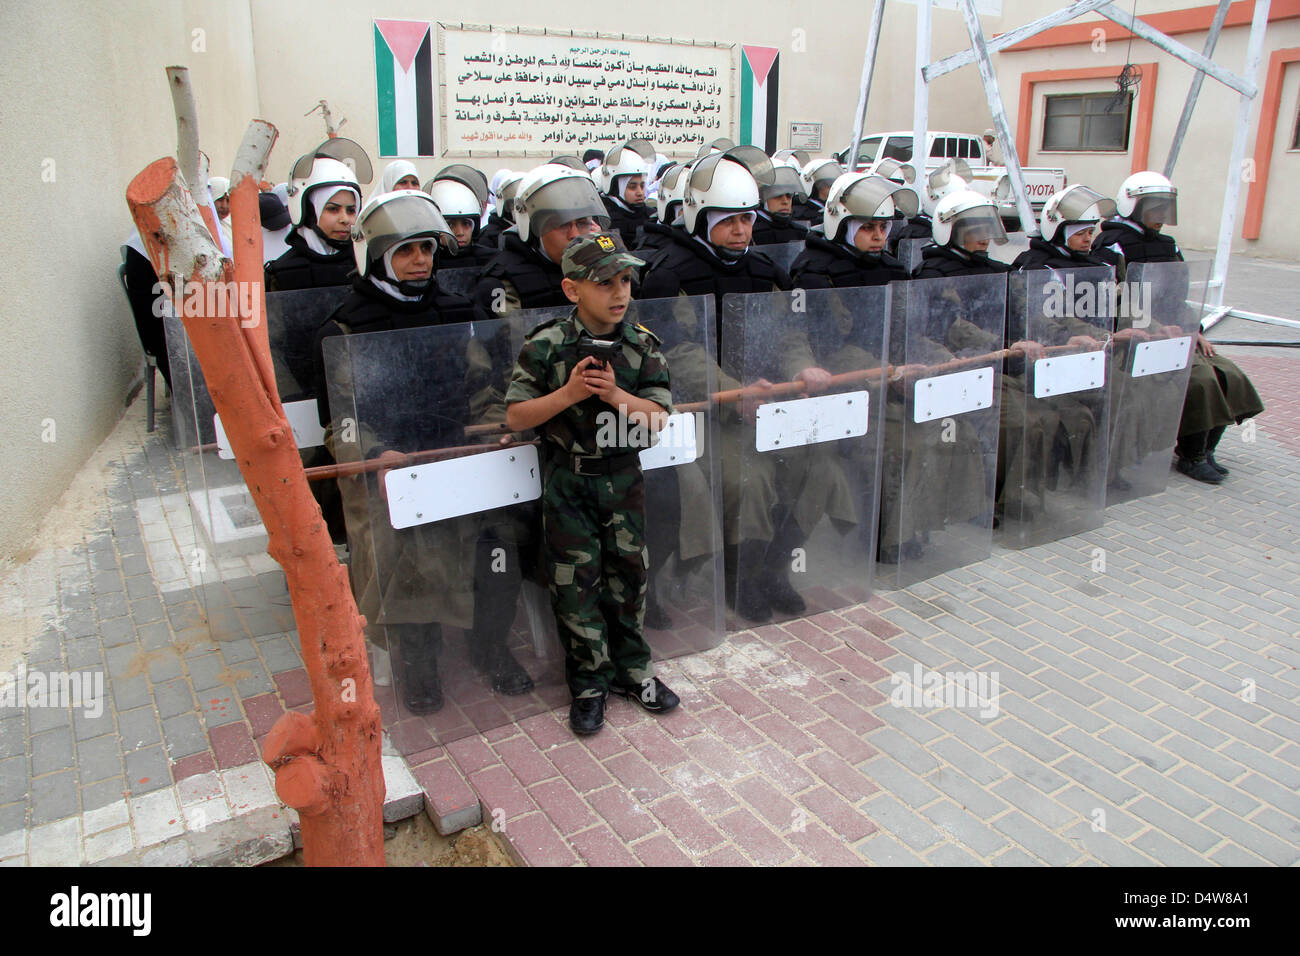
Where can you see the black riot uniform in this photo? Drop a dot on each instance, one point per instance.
(529, 279)
(691, 266)
(944, 262)
(627, 219)
(1219, 393)
(303, 268)
(770, 229)
(490, 235)
(833, 265)
(1042, 254)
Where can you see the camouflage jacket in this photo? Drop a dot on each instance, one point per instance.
(549, 353)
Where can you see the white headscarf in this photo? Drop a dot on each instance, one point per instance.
(397, 169)
(715, 216)
(1077, 227)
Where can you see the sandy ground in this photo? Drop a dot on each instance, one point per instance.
(416, 843)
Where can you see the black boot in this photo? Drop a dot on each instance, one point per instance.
(1192, 461)
(751, 587)
(1211, 443)
(656, 618)
(416, 663)
(496, 599)
(781, 594)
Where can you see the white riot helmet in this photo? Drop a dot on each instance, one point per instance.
(636, 157)
(864, 196)
(469, 177)
(552, 195)
(951, 177)
(219, 185)
(507, 189)
(392, 219)
(455, 200)
(796, 159)
(337, 162)
(1073, 204)
(1148, 195)
(672, 191)
(785, 182)
(727, 182)
(719, 145)
(819, 172)
(965, 214)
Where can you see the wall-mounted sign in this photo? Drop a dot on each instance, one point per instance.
(805, 135)
(514, 93)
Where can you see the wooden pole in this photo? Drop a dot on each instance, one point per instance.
(327, 763)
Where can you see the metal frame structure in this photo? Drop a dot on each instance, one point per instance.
(1244, 83)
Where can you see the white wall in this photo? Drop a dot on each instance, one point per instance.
(86, 91)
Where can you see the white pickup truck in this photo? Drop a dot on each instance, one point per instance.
(1040, 182)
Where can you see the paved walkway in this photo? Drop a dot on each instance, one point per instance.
(1149, 705)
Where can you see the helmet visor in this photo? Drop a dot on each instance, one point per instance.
(561, 202)
(573, 162)
(877, 198)
(345, 151)
(720, 144)
(1157, 207)
(643, 149)
(467, 176)
(976, 225)
(893, 169)
(1081, 204)
(751, 157)
(829, 170)
(786, 182)
(409, 215)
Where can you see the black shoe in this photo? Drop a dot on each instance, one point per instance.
(508, 675)
(1200, 471)
(752, 600)
(423, 692)
(1216, 466)
(587, 714)
(652, 694)
(656, 618)
(782, 596)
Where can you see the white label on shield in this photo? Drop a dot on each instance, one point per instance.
(676, 445)
(807, 421)
(303, 419)
(953, 394)
(462, 486)
(1162, 355)
(1063, 374)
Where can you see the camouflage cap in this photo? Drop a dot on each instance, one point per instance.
(597, 257)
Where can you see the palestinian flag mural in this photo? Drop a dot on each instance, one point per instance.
(404, 86)
(758, 89)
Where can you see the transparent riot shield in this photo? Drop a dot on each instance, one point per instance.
(909, 253)
(683, 483)
(782, 253)
(1053, 450)
(239, 587)
(1155, 335)
(458, 281)
(939, 460)
(445, 537)
(801, 470)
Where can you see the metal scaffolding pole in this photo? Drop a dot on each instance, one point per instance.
(1246, 87)
(1027, 220)
(1194, 92)
(868, 71)
(921, 94)
(1232, 188)
(1012, 37)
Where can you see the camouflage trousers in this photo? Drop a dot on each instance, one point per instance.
(594, 526)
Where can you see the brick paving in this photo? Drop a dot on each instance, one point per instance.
(1147, 714)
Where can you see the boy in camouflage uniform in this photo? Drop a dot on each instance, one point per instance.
(595, 414)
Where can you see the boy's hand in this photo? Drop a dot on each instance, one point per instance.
(576, 388)
(390, 459)
(601, 382)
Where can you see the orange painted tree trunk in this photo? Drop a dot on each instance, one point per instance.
(327, 764)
